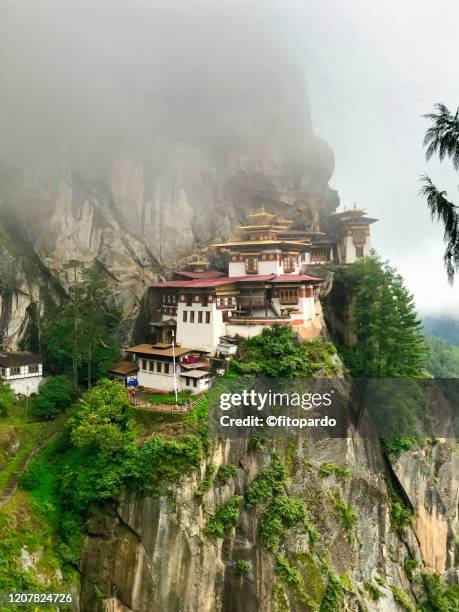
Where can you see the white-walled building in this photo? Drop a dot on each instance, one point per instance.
(155, 367)
(264, 286)
(22, 370)
(351, 229)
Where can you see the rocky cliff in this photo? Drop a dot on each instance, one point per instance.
(149, 554)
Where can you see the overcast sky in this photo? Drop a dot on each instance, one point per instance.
(373, 69)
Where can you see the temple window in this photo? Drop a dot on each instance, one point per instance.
(251, 265)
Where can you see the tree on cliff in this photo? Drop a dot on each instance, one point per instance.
(54, 396)
(442, 137)
(278, 353)
(389, 343)
(78, 334)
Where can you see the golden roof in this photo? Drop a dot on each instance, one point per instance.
(286, 222)
(271, 227)
(262, 215)
(161, 349)
(298, 243)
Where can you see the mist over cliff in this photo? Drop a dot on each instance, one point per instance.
(133, 134)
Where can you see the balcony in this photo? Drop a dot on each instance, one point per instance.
(251, 302)
(288, 300)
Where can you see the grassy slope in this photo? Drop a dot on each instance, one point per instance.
(26, 521)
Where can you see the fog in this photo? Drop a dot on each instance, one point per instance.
(84, 77)
(374, 68)
(80, 80)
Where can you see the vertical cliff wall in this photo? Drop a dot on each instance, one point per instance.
(151, 553)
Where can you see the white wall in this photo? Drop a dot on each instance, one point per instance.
(236, 268)
(157, 380)
(307, 306)
(25, 386)
(202, 384)
(270, 267)
(165, 382)
(349, 250)
(204, 336)
(245, 331)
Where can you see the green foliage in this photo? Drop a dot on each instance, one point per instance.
(442, 358)
(347, 514)
(402, 599)
(162, 459)
(279, 517)
(42, 480)
(22, 529)
(207, 481)
(226, 473)
(6, 399)
(373, 592)
(441, 598)
(396, 445)
(389, 340)
(410, 565)
(169, 398)
(243, 567)
(78, 334)
(400, 514)
(334, 594)
(55, 395)
(327, 469)
(268, 483)
(278, 353)
(101, 457)
(227, 514)
(442, 137)
(258, 442)
(281, 512)
(103, 419)
(290, 576)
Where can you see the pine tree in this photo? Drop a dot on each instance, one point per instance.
(389, 340)
(79, 334)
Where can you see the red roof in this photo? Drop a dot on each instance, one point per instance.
(264, 278)
(200, 275)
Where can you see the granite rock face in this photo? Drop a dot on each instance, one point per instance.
(150, 554)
